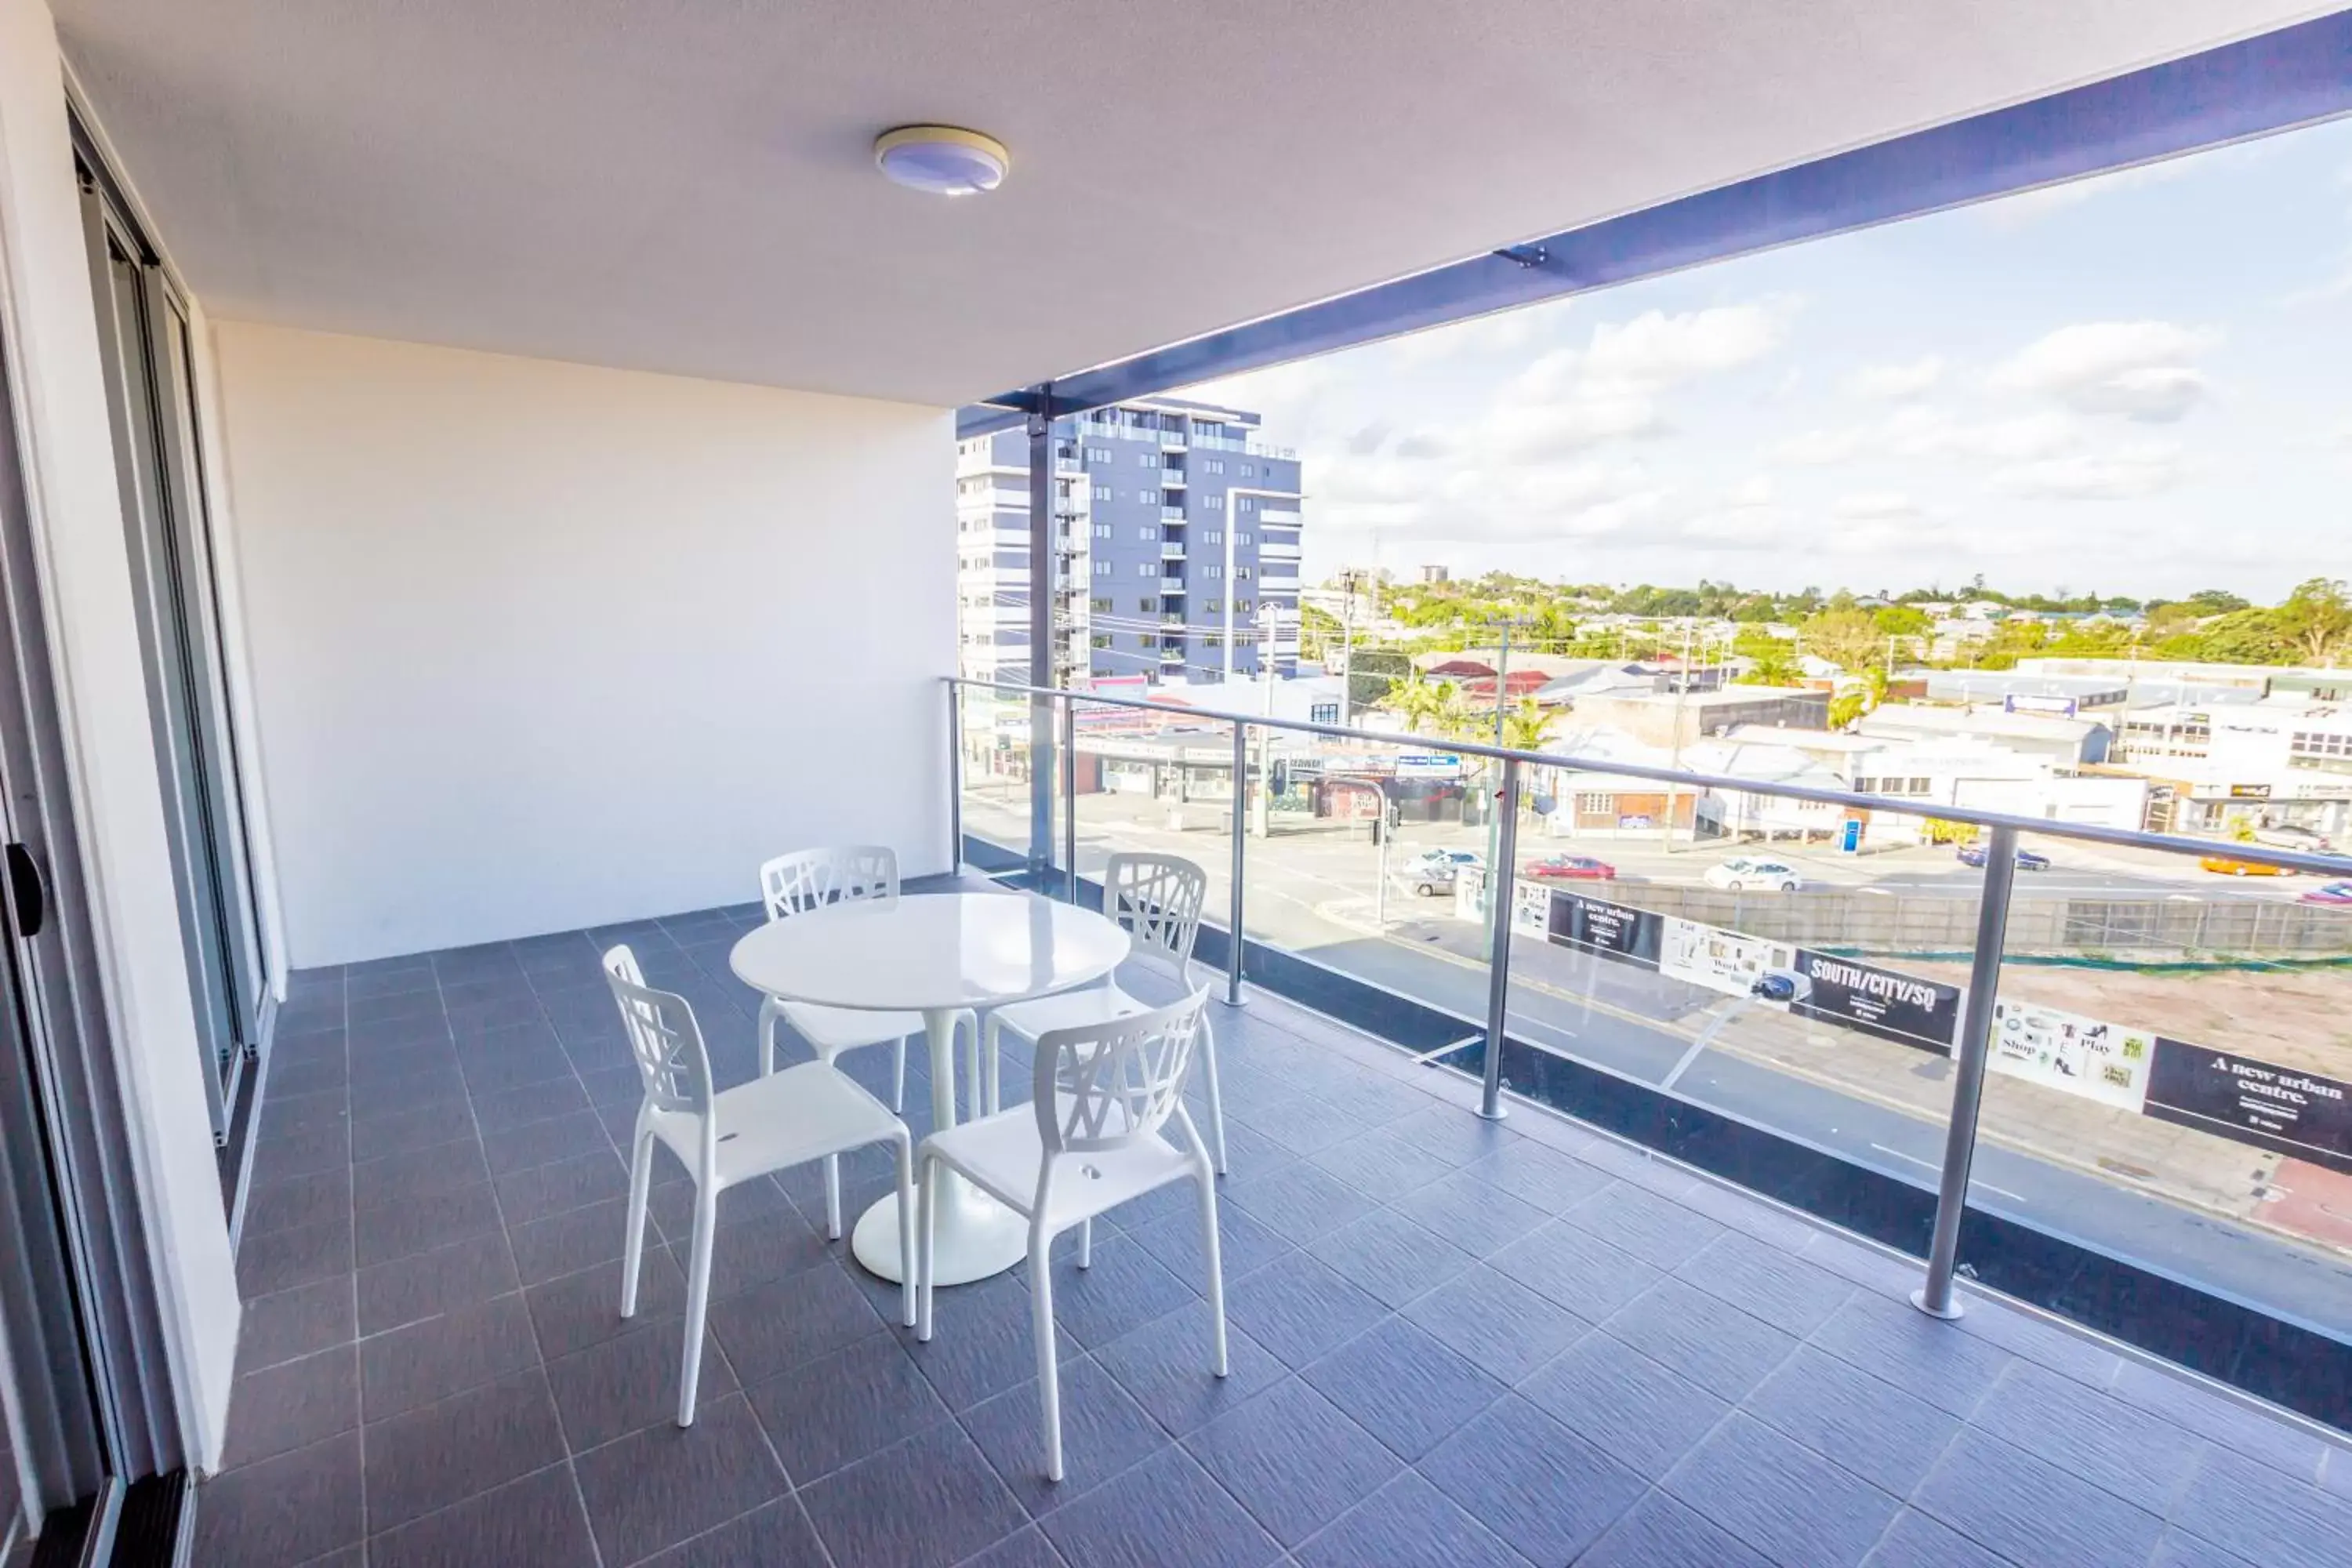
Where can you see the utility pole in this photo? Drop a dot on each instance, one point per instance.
(1494, 811)
(1347, 652)
(1673, 791)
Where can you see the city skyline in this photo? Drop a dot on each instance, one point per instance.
(2129, 385)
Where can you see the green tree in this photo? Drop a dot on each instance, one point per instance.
(1846, 637)
(1524, 726)
(2315, 621)
(1846, 707)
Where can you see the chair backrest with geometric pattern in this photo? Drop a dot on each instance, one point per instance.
(1157, 900)
(1098, 1086)
(810, 879)
(662, 1036)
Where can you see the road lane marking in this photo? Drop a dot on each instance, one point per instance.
(1974, 1181)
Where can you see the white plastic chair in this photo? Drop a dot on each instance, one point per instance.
(1089, 1141)
(1157, 900)
(810, 879)
(807, 1112)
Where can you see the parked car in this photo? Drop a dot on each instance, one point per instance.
(2228, 866)
(1570, 868)
(2288, 836)
(2027, 860)
(2338, 894)
(1432, 872)
(1749, 871)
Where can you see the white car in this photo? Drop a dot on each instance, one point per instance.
(1748, 871)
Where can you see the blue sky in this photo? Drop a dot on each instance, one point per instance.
(2137, 385)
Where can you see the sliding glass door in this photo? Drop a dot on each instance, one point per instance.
(144, 335)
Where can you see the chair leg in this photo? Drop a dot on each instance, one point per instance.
(990, 1043)
(1216, 1100)
(767, 1027)
(928, 1202)
(904, 1148)
(697, 1301)
(641, 1182)
(898, 1080)
(1086, 1244)
(1212, 1252)
(1049, 1376)
(833, 1196)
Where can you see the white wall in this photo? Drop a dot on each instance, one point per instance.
(47, 314)
(538, 645)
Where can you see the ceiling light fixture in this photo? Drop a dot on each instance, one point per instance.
(941, 159)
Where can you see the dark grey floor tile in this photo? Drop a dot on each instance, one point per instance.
(1641, 1414)
(285, 1510)
(1389, 1257)
(1659, 1533)
(673, 1201)
(1298, 1308)
(1408, 1524)
(526, 1126)
(1243, 1244)
(2178, 1549)
(1705, 1338)
(1657, 1230)
(845, 1407)
(785, 1323)
(283, 1259)
(1166, 1366)
(422, 1224)
(399, 1179)
(1298, 1202)
(982, 1342)
(2233, 1425)
(1881, 1433)
(1125, 1289)
(293, 1405)
(1494, 1322)
(1381, 1166)
(1764, 1281)
(444, 1121)
(1293, 1458)
(562, 1186)
(1916, 1540)
(1454, 1134)
(1779, 1497)
(2251, 1508)
(1544, 1490)
(1166, 1513)
(2045, 1344)
(296, 1323)
(584, 1308)
(1471, 1214)
(456, 1274)
(1933, 1360)
(2140, 1456)
(1404, 1386)
(564, 1244)
(1022, 1549)
(439, 1454)
(1104, 1431)
(1575, 1268)
(772, 1245)
(297, 1201)
(1543, 1178)
(776, 1536)
(630, 1382)
(322, 1148)
(2025, 1508)
(931, 1498)
(658, 1486)
(431, 1360)
(534, 1522)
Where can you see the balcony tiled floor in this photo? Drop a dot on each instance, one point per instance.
(1455, 1345)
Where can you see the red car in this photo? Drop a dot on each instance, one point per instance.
(2336, 894)
(1570, 868)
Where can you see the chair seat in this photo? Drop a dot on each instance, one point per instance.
(786, 1119)
(1002, 1153)
(840, 1028)
(1069, 1010)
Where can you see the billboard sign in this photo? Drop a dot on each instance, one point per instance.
(1882, 1002)
(2101, 1061)
(1718, 960)
(2031, 703)
(2234, 1097)
(1612, 931)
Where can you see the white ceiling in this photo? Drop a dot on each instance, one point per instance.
(685, 185)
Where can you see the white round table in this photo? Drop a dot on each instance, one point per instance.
(935, 953)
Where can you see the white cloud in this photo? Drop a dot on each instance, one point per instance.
(1533, 431)
(1656, 349)
(1876, 506)
(1505, 331)
(2137, 369)
(2027, 206)
(1937, 432)
(1817, 449)
(1424, 444)
(1368, 439)
(1898, 381)
(2141, 468)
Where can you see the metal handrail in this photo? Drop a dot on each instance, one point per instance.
(2255, 854)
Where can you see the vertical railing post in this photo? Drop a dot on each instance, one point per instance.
(1041, 643)
(955, 779)
(1240, 837)
(1935, 1298)
(1502, 893)
(1070, 795)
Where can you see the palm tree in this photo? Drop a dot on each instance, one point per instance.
(1524, 726)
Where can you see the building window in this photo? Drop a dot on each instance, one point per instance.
(1147, 459)
(1146, 603)
(1213, 465)
(1216, 570)
(1213, 503)
(1212, 536)
(1146, 531)
(1099, 607)
(1241, 572)
(1596, 805)
(1102, 568)
(1213, 607)
(1241, 606)
(1146, 640)
(1102, 492)
(1148, 497)
(1323, 713)
(1102, 530)
(1102, 639)
(1240, 539)
(1248, 472)
(1146, 568)
(1244, 503)
(1098, 455)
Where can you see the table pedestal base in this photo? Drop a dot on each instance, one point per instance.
(975, 1235)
